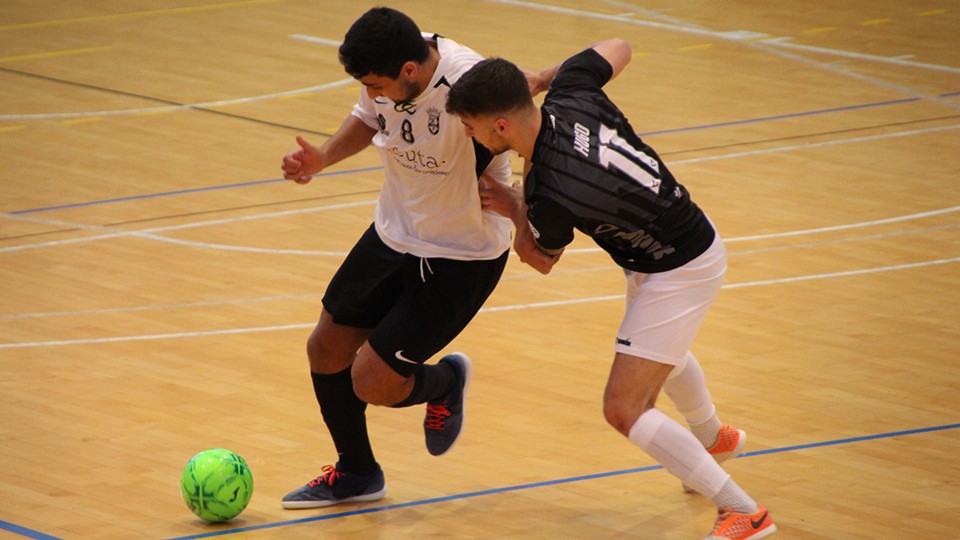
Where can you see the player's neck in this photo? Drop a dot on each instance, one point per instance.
(428, 68)
(529, 129)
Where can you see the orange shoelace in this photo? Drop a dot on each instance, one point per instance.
(330, 475)
(436, 415)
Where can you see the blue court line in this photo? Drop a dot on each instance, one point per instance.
(23, 531)
(787, 116)
(182, 192)
(647, 134)
(28, 533)
(534, 485)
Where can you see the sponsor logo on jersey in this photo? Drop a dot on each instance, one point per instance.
(416, 160)
(406, 107)
(638, 239)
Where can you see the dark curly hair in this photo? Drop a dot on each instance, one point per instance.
(380, 42)
(491, 86)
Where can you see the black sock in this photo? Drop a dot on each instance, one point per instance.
(430, 382)
(344, 414)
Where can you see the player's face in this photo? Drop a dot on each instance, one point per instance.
(399, 90)
(485, 130)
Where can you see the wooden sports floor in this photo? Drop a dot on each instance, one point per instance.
(158, 279)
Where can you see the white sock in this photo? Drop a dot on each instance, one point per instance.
(731, 497)
(687, 388)
(678, 451)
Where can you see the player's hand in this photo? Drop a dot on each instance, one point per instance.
(504, 199)
(530, 253)
(300, 165)
(535, 80)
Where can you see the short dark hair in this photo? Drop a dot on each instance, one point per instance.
(492, 86)
(380, 42)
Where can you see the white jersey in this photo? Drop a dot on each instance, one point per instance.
(429, 205)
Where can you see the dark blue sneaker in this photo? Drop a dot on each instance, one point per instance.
(334, 487)
(444, 419)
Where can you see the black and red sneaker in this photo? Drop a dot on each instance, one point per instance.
(444, 420)
(334, 487)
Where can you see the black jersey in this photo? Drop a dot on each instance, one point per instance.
(591, 172)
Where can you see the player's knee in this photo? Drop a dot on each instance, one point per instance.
(324, 359)
(316, 353)
(613, 414)
(623, 415)
(366, 391)
(377, 384)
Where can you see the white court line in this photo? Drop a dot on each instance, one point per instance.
(748, 38)
(898, 219)
(736, 35)
(158, 307)
(314, 39)
(803, 232)
(807, 146)
(206, 105)
(534, 305)
(842, 274)
(565, 271)
(148, 233)
(840, 70)
(785, 43)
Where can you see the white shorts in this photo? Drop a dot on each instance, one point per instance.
(665, 310)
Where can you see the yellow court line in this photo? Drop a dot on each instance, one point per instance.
(7, 129)
(697, 47)
(54, 54)
(822, 30)
(931, 12)
(135, 15)
(875, 22)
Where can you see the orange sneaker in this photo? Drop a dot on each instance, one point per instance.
(734, 526)
(730, 444)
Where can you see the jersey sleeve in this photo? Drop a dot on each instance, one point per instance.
(484, 157)
(364, 110)
(552, 224)
(586, 69)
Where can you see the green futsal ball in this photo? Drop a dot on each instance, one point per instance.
(216, 485)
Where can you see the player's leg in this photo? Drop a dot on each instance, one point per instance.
(687, 388)
(331, 349)
(664, 314)
(443, 297)
(629, 406)
(629, 401)
(362, 291)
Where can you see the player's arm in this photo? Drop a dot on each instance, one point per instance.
(615, 51)
(507, 200)
(353, 136)
(539, 81)
(531, 252)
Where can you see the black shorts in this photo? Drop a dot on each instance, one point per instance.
(414, 306)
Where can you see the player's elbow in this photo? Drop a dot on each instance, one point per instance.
(617, 52)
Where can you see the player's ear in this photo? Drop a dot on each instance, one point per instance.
(409, 70)
(501, 125)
